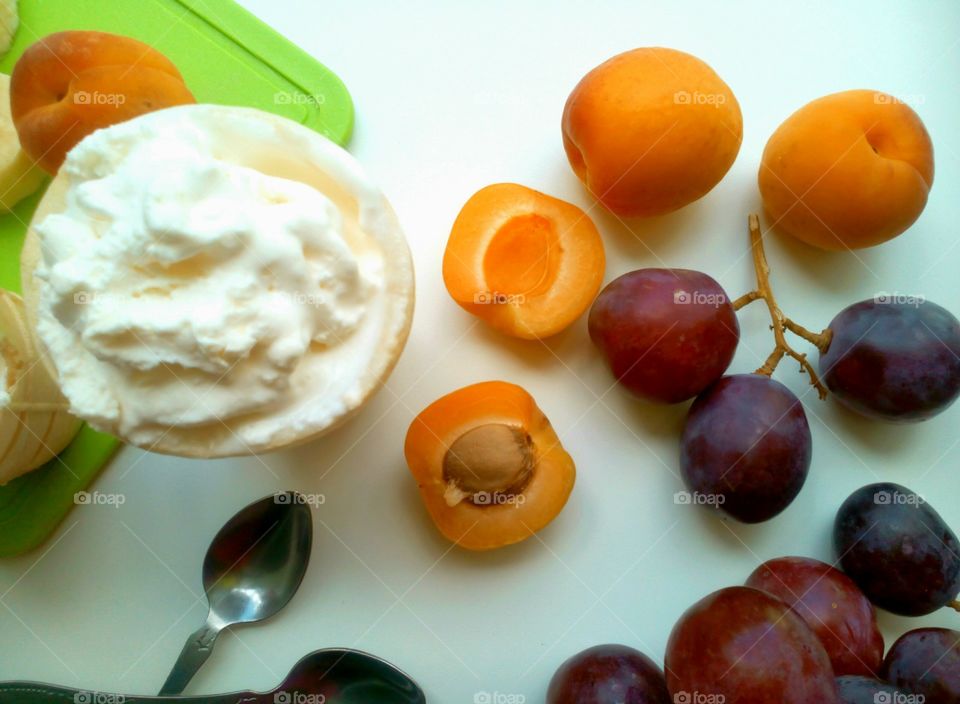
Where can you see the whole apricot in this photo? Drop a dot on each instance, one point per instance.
(847, 171)
(651, 130)
(69, 84)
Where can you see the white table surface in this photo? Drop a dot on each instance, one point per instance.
(452, 96)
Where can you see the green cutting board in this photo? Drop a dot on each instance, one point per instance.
(226, 56)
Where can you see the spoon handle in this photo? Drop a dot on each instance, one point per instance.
(195, 652)
(39, 693)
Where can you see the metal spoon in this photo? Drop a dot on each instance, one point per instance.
(253, 567)
(331, 676)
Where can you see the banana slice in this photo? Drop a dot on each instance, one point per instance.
(9, 23)
(34, 422)
(19, 176)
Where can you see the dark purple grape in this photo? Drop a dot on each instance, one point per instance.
(746, 447)
(832, 605)
(897, 549)
(744, 646)
(667, 334)
(855, 689)
(893, 360)
(926, 662)
(608, 674)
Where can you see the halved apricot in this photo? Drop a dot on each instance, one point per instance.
(489, 465)
(526, 263)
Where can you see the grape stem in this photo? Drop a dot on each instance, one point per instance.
(780, 322)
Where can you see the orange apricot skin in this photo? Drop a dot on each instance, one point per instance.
(848, 170)
(651, 130)
(577, 263)
(69, 84)
(487, 527)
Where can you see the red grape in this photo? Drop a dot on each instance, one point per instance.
(608, 674)
(747, 445)
(895, 360)
(743, 646)
(926, 662)
(897, 549)
(832, 605)
(667, 334)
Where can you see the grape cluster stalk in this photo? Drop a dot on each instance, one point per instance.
(780, 322)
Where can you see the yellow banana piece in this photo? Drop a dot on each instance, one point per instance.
(19, 176)
(9, 23)
(34, 422)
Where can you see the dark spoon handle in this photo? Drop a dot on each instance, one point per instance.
(37, 693)
(195, 652)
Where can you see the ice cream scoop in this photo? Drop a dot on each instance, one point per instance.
(210, 281)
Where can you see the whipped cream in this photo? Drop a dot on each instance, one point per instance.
(191, 290)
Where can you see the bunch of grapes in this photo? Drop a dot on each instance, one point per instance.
(799, 631)
(669, 335)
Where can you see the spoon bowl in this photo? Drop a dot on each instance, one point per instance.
(345, 676)
(256, 562)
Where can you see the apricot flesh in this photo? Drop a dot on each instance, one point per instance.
(489, 466)
(524, 262)
(651, 130)
(522, 258)
(847, 171)
(69, 84)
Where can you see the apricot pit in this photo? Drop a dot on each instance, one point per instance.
(492, 459)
